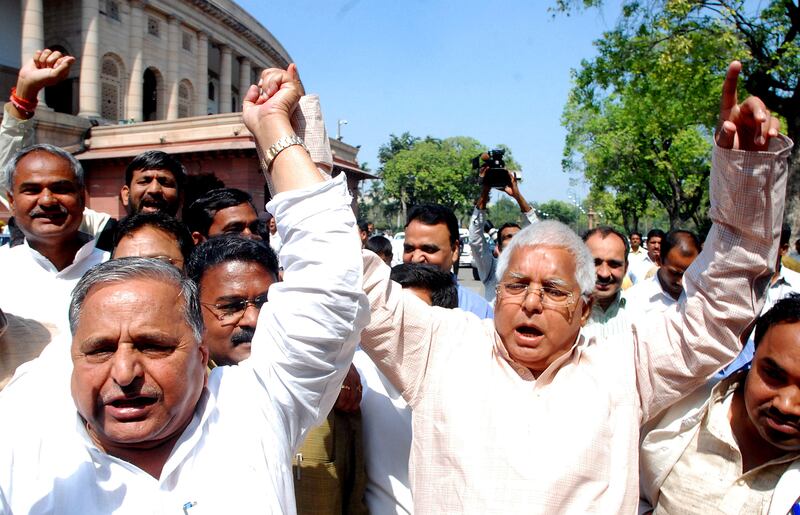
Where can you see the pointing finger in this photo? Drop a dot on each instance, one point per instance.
(729, 99)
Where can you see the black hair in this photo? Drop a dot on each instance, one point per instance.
(380, 245)
(635, 233)
(363, 226)
(786, 234)
(156, 160)
(785, 311)
(159, 220)
(432, 214)
(681, 239)
(201, 213)
(605, 231)
(503, 228)
(656, 233)
(225, 248)
(431, 278)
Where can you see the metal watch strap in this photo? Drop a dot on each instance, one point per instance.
(278, 147)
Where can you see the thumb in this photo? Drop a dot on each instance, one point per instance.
(293, 74)
(726, 135)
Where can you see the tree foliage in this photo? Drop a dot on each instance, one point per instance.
(430, 170)
(684, 38)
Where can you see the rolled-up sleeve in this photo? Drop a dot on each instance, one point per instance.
(725, 286)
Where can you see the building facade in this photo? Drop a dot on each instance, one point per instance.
(149, 74)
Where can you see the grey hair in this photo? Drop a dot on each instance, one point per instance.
(129, 268)
(551, 233)
(11, 167)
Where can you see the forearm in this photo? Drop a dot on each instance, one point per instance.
(16, 133)
(308, 123)
(308, 331)
(725, 286)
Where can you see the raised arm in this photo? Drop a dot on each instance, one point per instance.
(45, 68)
(307, 332)
(482, 257)
(725, 286)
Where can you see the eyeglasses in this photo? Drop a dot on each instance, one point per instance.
(232, 312)
(550, 296)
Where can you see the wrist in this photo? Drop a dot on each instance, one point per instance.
(26, 91)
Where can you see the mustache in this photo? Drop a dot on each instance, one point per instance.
(783, 418)
(243, 335)
(605, 280)
(132, 391)
(57, 209)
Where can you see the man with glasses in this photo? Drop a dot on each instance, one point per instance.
(527, 414)
(233, 275)
(224, 211)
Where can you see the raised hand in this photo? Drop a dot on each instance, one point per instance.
(746, 126)
(267, 108)
(46, 68)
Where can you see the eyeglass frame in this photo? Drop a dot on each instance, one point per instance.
(235, 316)
(501, 289)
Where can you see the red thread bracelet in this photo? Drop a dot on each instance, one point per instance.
(26, 106)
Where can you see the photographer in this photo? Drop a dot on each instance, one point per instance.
(482, 257)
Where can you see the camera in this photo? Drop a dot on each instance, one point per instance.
(492, 169)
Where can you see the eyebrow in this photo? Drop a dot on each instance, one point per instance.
(550, 281)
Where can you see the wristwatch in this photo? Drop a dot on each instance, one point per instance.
(278, 147)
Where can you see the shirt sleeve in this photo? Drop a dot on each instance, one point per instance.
(725, 286)
(15, 134)
(482, 257)
(529, 218)
(307, 332)
(309, 124)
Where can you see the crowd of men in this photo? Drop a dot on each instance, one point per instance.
(192, 359)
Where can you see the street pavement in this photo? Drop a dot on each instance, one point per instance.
(465, 279)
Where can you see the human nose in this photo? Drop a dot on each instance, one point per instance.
(154, 187)
(126, 367)
(603, 270)
(532, 300)
(46, 198)
(419, 257)
(249, 316)
(788, 401)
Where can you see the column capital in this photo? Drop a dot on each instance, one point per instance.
(174, 19)
(224, 49)
(202, 35)
(139, 3)
(245, 61)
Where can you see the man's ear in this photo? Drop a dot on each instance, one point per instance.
(587, 310)
(198, 238)
(456, 251)
(124, 195)
(10, 202)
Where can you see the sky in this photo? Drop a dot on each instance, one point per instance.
(495, 71)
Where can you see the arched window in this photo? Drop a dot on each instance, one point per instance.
(111, 78)
(185, 99)
(152, 95)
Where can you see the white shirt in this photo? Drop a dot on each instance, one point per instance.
(386, 429)
(235, 455)
(34, 289)
(647, 296)
(637, 269)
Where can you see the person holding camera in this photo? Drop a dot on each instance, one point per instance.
(483, 259)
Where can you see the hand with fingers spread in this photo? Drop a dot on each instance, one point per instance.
(746, 126)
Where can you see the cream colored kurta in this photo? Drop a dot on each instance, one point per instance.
(491, 438)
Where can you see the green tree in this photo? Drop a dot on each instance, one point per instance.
(503, 211)
(559, 210)
(763, 36)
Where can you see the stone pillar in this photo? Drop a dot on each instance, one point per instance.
(173, 57)
(244, 77)
(225, 79)
(136, 81)
(89, 99)
(32, 34)
(201, 86)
